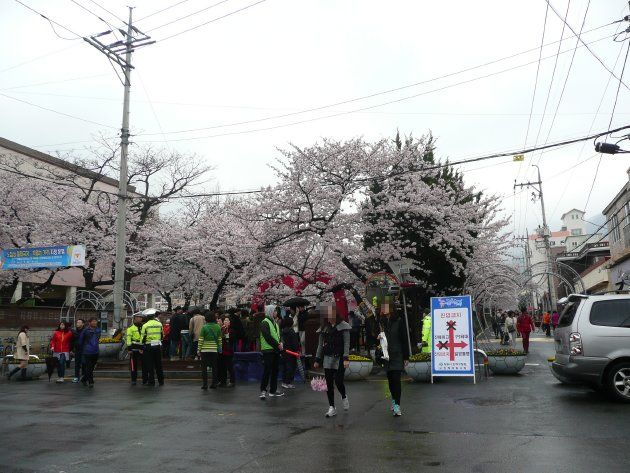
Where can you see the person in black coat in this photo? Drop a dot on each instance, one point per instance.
(290, 341)
(395, 330)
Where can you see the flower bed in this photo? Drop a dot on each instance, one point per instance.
(419, 367)
(506, 361)
(359, 367)
(35, 368)
(107, 348)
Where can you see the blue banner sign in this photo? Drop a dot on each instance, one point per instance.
(43, 257)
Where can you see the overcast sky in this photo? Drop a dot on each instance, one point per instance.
(285, 56)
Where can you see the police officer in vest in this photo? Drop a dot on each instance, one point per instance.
(151, 335)
(134, 345)
(271, 347)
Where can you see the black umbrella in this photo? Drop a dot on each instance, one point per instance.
(296, 302)
(51, 364)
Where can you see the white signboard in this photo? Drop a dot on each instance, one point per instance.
(452, 351)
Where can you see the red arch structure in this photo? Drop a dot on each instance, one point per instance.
(298, 284)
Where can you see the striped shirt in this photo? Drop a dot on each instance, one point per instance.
(210, 338)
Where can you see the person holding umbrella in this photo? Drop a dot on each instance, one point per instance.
(134, 345)
(291, 342)
(22, 353)
(333, 351)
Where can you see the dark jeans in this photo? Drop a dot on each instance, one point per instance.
(290, 363)
(354, 339)
(78, 364)
(61, 366)
(90, 363)
(152, 359)
(226, 365)
(135, 360)
(271, 360)
(173, 346)
(335, 377)
(393, 379)
(194, 349)
(209, 359)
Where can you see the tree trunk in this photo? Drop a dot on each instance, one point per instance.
(217, 292)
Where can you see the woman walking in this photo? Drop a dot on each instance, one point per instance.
(398, 349)
(333, 350)
(226, 357)
(290, 341)
(22, 352)
(61, 344)
(510, 327)
(89, 346)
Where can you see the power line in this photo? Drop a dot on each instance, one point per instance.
(20, 64)
(106, 10)
(332, 105)
(612, 115)
(586, 45)
(37, 84)
(213, 20)
(160, 11)
(188, 16)
(57, 112)
(52, 23)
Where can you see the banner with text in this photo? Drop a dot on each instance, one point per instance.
(43, 257)
(452, 340)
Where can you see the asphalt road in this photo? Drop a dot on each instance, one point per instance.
(526, 423)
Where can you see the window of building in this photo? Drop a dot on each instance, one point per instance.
(614, 226)
(576, 231)
(574, 244)
(627, 212)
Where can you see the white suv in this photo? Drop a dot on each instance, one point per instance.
(593, 343)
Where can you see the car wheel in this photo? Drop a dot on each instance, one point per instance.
(619, 381)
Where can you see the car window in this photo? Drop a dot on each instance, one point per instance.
(615, 313)
(566, 318)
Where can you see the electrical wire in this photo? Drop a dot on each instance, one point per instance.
(337, 114)
(57, 112)
(187, 16)
(52, 23)
(52, 82)
(589, 49)
(160, 11)
(213, 20)
(20, 64)
(106, 10)
(612, 115)
(566, 79)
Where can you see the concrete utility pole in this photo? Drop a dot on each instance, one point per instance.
(133, 39)
(537, 185)
(528, 263)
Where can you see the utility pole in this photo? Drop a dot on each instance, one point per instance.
(528, 264)
(133, 39)
(537, 186)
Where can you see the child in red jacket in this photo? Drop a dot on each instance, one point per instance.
(61, 344)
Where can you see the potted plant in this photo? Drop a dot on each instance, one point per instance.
(419, 367)
(359, 367)
(506, 360)
(109, 347)
(35, 368)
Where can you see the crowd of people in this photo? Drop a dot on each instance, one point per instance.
(213, 337)
(508, 325)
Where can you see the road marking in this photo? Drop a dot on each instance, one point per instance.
(532, 364)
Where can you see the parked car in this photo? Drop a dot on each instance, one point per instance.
(593, 343)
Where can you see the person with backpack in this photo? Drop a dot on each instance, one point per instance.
(525, 325)
(210, 345)
(333, 351)
(510, 327)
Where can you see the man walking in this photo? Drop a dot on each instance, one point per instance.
(525, 325)
(134, 345)
(151, 335)
(78, 350)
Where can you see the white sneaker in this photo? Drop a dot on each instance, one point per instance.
(263, 395)
(276, 394)
(346, 403)
(60, 380)
(291, 386)
(332, 412)
(75, 380)
(397, 412)
(286, 386)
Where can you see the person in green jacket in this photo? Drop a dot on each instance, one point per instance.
(134, 345)
(271, 347)
(426, 332)
(209, 347)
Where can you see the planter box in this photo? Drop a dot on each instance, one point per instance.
(358, 370)
(109, 350)
(419, 370)
(33, 370)
(506, 364)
